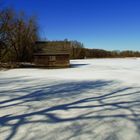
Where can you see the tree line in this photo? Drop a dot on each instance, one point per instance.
(99, 53)
(19, 34)
(77, 50)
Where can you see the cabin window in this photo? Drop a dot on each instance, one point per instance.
(52, 58)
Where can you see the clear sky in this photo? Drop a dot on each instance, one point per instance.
(106, 24)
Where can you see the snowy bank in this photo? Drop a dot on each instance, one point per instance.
(94, 99)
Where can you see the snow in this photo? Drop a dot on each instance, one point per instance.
(94, 99)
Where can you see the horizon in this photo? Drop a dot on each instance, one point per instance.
(100, 24)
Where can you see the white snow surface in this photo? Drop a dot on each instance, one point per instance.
(95, 99)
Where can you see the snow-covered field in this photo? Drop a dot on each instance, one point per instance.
(96, 99)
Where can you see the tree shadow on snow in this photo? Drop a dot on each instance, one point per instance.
(71, 90)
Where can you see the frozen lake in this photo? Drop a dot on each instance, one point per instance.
(95, 99)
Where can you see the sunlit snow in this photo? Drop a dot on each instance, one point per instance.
(94, 99)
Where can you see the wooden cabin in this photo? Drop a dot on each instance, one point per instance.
(52, 54)
(52, 59)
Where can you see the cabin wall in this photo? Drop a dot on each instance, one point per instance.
(41, 60)
(62, 61)
(52, 60)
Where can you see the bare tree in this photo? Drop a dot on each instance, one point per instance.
(17, 36)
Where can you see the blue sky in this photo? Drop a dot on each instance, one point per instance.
(106, 24)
